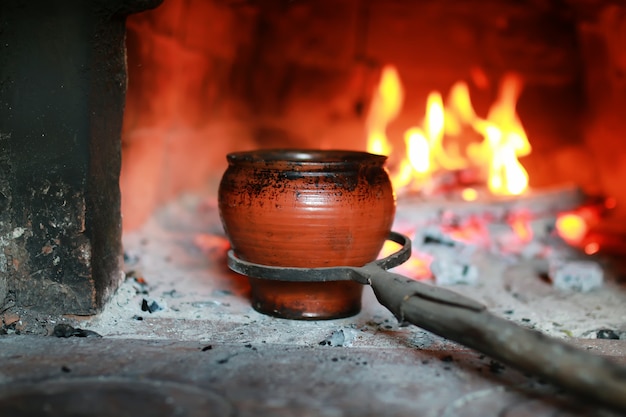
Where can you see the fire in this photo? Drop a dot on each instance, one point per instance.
(386, 104)
(435, 146)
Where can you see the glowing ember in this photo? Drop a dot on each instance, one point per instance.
(435, 146)
(521, 227)
(417, 266)
(209, 243)
(591, 248)
(469, 194)
(571, 227)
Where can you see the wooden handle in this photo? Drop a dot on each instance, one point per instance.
(468, 322)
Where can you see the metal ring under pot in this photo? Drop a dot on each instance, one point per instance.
(325, 274)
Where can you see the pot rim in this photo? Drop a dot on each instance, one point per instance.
(303, 157)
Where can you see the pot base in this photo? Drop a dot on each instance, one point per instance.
(306, 300)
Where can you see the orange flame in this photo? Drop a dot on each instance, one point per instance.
(505, 140)
(496, 156)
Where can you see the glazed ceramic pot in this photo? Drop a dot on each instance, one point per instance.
(306, 208)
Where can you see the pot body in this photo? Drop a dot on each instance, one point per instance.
(306, 208)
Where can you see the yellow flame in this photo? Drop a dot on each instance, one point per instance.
(385, 107)
(507, 140)
(378, 143)
(460, 108)
(435, 124)
(498, 153)
(418, 150)
(496, 156)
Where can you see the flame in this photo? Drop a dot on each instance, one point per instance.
(386, 105)
(505, 140)
(418, 150)
(441, 142)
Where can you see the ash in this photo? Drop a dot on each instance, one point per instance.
(178, 287)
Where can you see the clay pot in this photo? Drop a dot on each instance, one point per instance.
(306, 208)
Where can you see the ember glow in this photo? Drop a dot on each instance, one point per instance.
(417, 266)
(572, 227)
(592, 248)
(435, 146)
(520, 223)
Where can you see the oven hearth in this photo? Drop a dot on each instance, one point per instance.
(181, 255)
(179, 288)
(191, 317)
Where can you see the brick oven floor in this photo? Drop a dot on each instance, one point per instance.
(207, 352)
